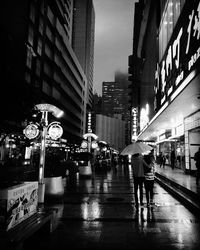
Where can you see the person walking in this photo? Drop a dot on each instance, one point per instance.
(172, 159)
(197, 160)
(162, 160)
(149, 176)
(137, 164)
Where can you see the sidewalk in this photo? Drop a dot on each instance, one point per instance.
(181, 185)
(177, 175)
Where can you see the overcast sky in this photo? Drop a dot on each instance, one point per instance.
(113, 39)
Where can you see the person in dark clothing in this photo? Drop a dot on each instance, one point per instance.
(173, 157)
(137, 164)
(197, 160)
(162, 160)
(149, 175)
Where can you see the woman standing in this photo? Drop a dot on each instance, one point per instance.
(149, 176)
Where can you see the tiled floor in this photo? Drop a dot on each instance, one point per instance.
(99, 213)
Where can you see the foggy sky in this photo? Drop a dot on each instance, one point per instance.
(113, 39)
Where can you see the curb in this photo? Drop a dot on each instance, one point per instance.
(185, 196)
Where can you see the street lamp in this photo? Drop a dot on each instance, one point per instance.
(45, 109)
(89, 137)
(55, 131)
(90, 144)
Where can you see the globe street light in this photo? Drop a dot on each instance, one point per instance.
(45, 108)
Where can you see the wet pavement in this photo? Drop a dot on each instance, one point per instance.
(177, 175)
(99, 212)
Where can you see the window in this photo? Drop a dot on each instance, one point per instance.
(39, 47)
(47, 69)
(29, 58)
(170, 16)
(49, 33)
(48, 51)
(38, 66)
(50, 16)
(46, 88)
(30, 35)
(56, 94)
(41, 25)
(32, 13)
(27, 77)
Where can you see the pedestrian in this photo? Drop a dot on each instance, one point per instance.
(172, 159)
(137, 164)
(149, 176)
(162, 160)
(197, 160)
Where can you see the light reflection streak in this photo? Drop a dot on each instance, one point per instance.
(130, 172)
(84, 211)
(95, 210)
(90, 211)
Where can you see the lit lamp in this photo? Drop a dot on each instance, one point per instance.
(89, 137)
(55, 130)
(90, 144)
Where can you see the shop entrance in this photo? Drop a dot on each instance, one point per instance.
(194, 144)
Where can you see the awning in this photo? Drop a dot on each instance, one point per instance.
(183, 105)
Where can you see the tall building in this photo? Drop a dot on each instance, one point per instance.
(83, 41)
(167, 50)
(39, 64)
(108, 101)
(141, 66)
(115, 96)
(115, 100)
(111, 130)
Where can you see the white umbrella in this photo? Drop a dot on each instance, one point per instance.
(136, 148)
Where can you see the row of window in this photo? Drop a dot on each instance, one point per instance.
(170, 16)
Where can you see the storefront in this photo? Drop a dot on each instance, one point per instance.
(176, 125)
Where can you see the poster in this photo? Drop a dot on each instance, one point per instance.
(17, 203)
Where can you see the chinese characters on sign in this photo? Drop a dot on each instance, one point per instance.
(182, 53)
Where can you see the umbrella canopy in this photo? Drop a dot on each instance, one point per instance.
(136, 148)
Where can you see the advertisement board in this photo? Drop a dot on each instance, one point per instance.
(17, 203)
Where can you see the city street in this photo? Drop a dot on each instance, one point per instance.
(99, 213)
(88, 88)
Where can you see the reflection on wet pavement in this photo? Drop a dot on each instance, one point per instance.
(100, 213)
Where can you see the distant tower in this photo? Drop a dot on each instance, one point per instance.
(115, 100)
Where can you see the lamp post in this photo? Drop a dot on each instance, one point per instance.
(89, 137)
(44, 109)
(41, 188)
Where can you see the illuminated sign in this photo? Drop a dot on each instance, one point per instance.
(89, 122)
(144, 116)
(182, 53)
(31, 131)
(134, 122)
(55, 131)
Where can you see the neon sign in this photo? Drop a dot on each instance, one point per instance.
(181, 55)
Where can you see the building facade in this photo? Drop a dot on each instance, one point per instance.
(111, 130)
(115, 100)
(83, 41)
(40, 65)
(174, 123)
